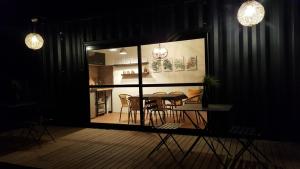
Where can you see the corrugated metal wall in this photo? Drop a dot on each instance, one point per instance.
(257, 66)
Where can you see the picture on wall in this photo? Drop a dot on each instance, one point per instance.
(167, 65)
(156, 66)
(191, 63)
(179, 63)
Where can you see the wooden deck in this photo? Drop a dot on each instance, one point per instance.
(97, 148)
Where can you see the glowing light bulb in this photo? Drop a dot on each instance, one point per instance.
(250, 13)
(34, 41)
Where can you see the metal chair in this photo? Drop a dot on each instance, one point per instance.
(167, 128)
(192, 100)
(173, 104)
(158, 93)
(246, 137)
(158, 109)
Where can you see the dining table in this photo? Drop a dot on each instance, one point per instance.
(163, 96)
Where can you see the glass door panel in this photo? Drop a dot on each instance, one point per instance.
(179, 62)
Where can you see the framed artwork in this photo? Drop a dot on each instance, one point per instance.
(156, 66)
(179, 64)
(191, 63)
(167, 65)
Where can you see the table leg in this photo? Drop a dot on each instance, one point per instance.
(211, 146)
(195, 125)
(190, 149)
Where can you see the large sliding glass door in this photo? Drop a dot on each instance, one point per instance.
(120, 77)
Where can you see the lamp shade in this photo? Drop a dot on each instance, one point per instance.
(159, 52)
(34, 41)
(250, 13)
(123, 51)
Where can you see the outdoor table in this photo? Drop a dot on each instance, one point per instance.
(187, 108)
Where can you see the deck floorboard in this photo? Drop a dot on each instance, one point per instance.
(88, 148)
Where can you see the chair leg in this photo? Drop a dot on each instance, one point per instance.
(157, 147)
(135, 114)
(257, 150)
(176, 143)
(161, 119)
(46, 131)
(163, 141)
(120, 113)
(151, 118)
(129, 113)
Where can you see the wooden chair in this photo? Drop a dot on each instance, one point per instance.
(124, 102)
(173, 104)
(134, 106)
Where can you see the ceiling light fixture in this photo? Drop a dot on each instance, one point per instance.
(250, 13)
(34, 40)
(123, 51)
(113, 49)
(159, 52)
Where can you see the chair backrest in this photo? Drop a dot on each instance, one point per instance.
(124, 99)
(134, 103)
(193, 100)
(151, 105)
(160, 93)
(177, 102)
(158, 102)
(193, 92)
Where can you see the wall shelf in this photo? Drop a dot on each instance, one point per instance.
(131, 64)
(134, 75)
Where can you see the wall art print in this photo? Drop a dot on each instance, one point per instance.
(156, 66)
(179, 63)
(167, 65)
(191, 63)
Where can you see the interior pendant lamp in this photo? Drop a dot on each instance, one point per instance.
(250, 13)
(159, 52)
(34, 40)
(123, 51)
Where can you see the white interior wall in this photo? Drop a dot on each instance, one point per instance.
(177, 49)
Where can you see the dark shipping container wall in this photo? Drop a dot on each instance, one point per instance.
(257, 66)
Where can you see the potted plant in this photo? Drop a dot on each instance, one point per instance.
(209, 82)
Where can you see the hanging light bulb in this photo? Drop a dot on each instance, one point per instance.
(159, 52)
(250, 13)
(123, 51)
(34, 40)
